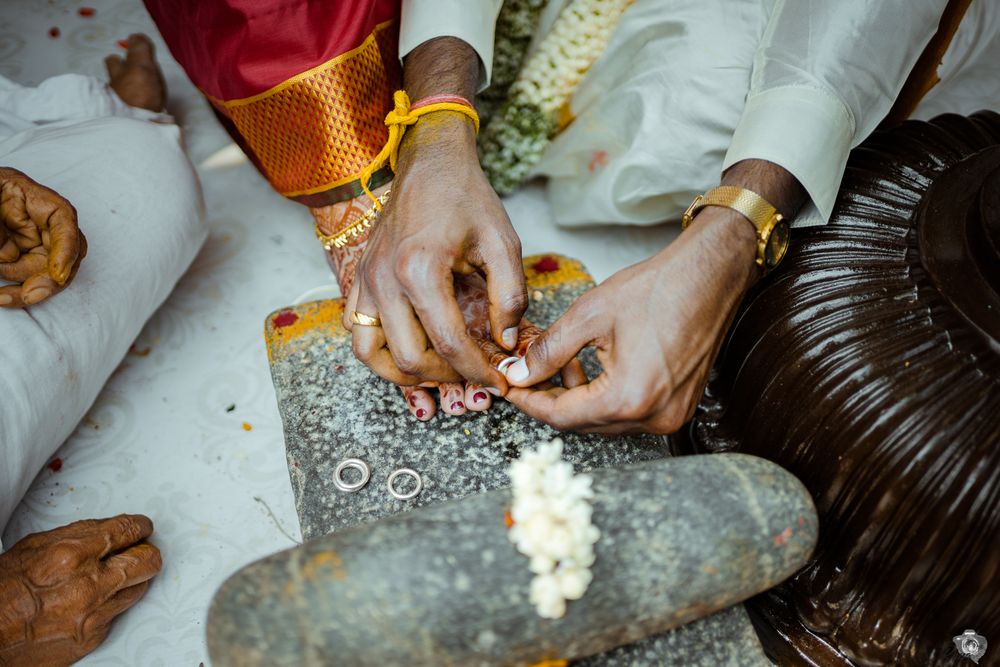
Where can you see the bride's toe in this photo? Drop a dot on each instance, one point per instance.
(477, 398)
(419, 402)
(453, 398)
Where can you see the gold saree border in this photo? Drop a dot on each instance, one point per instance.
(317, 130)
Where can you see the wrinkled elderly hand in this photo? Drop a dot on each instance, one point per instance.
(60, 590)
(41, 245)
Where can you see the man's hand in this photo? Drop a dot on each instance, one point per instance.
(657, 326)
(60, 590)
(41, 245)
(443, 221)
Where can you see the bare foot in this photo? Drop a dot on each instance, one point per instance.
(60, 590)
(137, 79)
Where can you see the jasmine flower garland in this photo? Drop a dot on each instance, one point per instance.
(552, 526)
(514, 140)
(516, 26)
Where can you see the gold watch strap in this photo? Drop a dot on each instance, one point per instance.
(761, 214)
(751, 205)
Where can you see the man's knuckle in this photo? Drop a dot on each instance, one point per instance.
(413, 267)
(515, 302)
(410, 363)
(542, 350)
(63, 557)
(363, 349)
(447, 345)
(633, 405)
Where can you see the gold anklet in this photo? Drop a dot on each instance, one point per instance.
(353, 230)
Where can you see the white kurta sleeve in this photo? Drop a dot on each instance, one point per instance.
(825, 74)
(473, 21)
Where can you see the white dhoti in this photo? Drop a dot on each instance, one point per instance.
(139, 205)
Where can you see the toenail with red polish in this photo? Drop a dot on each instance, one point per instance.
(479, 396)
(413, 401)
(457, 405)
(420, 413)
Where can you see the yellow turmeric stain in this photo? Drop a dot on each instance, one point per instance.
(247, 427)
(323, 318)
(551, 663)
(327, 560)
(569, 271)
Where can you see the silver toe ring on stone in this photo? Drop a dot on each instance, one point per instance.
(409, 494)
(357, 464)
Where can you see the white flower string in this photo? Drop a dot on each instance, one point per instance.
(514, 141)
(551, 516)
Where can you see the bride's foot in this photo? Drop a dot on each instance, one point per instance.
(137, 78)
(454, 399)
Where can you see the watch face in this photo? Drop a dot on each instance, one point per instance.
(777, 244)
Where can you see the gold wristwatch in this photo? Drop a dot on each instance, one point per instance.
(772, 230)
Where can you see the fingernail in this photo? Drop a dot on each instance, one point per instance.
(502, 366)
(420, 413)
(479, 397)
(494, 391)
(517, 372)
(458, 405)
(509, 337)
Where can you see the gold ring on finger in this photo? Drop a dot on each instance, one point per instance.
(365, 320)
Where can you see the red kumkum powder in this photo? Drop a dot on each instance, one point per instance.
(285, 319)
(546, 265)
(53, 32)
(55, 465)
(86, 12)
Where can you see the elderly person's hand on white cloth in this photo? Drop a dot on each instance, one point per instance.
(41, 245)
(80, 155)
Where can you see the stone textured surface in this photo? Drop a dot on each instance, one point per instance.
(333, 408)
(681, 538)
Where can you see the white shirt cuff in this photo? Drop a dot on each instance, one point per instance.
(472, 21)
(806, 130)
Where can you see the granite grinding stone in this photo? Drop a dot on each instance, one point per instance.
(333, 408)
(680, 539)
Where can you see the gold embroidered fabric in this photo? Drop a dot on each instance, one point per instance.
(319, 129)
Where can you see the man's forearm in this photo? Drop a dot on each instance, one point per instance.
(773, 183)
(441, 65)
(732, 248)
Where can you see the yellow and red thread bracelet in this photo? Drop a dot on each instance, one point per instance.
(403, 115)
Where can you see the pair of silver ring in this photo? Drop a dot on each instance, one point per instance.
(366, 474)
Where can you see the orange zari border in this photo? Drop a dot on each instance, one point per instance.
(320, 128)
